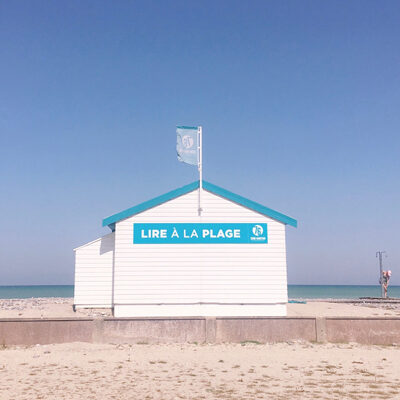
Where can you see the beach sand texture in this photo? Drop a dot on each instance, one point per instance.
(62, 307)
(293, 370)
(227, 371)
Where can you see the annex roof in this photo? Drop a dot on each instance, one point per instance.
(252, 205)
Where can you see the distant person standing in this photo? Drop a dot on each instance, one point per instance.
(385, 280)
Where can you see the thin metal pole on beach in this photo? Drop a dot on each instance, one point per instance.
(380, 254)
(200, 165)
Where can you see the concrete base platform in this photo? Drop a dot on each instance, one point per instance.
(382, 331)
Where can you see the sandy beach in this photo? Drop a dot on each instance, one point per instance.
(200, 371)
(289, 370)
(62, 307)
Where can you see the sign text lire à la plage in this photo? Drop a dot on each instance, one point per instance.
(168, 233)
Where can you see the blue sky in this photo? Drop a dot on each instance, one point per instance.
(299, 103)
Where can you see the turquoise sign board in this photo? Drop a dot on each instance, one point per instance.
(158, 233)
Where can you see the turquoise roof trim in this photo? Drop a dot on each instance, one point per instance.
(269, 212)
(150, 203)
(187, 127)
(252, 205)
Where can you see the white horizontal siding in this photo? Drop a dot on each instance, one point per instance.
(200, 273)
(211, 310)
(93, 273)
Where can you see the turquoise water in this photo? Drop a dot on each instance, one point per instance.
(295, 291)
(339, 291)
(26, 292)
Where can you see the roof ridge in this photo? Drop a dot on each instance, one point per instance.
(210, 187)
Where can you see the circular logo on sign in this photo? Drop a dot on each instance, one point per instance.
(187, 141)
(258, 230)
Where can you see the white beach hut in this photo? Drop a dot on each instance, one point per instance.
(163, 259)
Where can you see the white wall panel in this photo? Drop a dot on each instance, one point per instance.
(93, 273)
(199, 273)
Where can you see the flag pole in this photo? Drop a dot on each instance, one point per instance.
(200, 165)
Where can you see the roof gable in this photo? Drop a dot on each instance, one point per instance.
(252, 205)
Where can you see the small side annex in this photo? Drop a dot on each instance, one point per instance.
(164, 259)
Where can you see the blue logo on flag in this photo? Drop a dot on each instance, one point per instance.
(186, 145)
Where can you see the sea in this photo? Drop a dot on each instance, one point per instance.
(295, 292)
